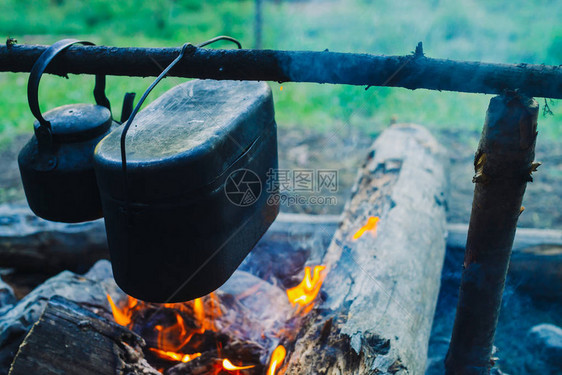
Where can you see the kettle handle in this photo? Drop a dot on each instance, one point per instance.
(43, 132)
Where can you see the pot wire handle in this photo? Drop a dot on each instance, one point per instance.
(149, 89)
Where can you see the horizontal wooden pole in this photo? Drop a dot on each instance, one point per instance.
(413, 71)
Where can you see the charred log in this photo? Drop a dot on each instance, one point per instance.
(16, 320)
(537, 271)
(31, 244)
(72, 340)
(381, 289)
(411, 71)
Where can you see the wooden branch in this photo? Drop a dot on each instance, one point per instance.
(381, 291)
(411, 71)
(503, 166)
(72, 340)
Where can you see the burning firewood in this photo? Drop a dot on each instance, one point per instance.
(70, 339)
(304, 315)
(239, 323)
(16, 321)
(383, 265)
(246, 357)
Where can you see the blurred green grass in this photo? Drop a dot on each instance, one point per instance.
(493, 30)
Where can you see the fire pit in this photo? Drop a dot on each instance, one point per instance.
(239, 327)
(352, 294)
(251, 320)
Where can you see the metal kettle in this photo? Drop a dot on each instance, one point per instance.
(56, 165)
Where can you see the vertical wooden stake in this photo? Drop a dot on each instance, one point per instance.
(503, 166)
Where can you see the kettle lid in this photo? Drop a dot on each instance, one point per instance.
(77, 122)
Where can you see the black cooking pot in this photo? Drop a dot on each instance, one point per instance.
(193, 198)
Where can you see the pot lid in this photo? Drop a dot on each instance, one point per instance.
(187, 137)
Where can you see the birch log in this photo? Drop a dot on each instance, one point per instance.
(381, 290)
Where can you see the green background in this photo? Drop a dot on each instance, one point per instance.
(493, 31)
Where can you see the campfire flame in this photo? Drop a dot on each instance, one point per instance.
(172, 338)
(122, 316)
(175, 356)
(306, 292)
(277, 358)
(370, 226)
(173, 341)
(176, 336)
(227, 365)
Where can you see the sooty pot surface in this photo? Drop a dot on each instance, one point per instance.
(195, 197)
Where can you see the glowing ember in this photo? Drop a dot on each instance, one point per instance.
(180, 357)
(370, 226)
(308, 289)
(227, 365)
(277, 358)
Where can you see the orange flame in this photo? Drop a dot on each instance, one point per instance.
(176, 336)
(308, 289)
(370, 226)
(122, 316)
(227, 365)
(172, 338)
(277, 358)
(180, 357)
